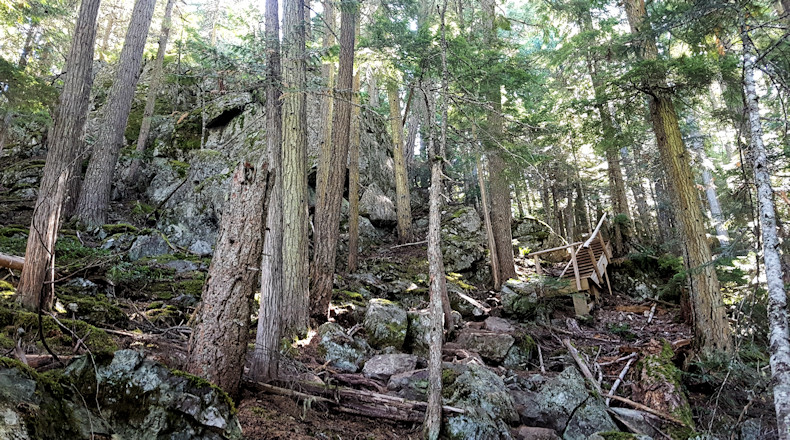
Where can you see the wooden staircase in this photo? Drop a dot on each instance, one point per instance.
(585, 272)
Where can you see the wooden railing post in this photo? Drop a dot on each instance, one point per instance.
(538, 269)
(576, 271)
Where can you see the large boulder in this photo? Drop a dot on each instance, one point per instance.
(489, 345)
(520, 298)
(131, 398)
(386, 324)
(377, 207)
(383, 366)
(487, 404)
(554, 402)
(588, 419)
(339, 349)
(463, 240)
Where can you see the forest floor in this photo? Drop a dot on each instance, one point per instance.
(146, 305)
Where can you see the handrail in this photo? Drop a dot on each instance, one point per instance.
(532, 254)
(595, 232)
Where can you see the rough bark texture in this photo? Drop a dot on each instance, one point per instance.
(501, 216)
(295, 220)
(64, 141)
(433, 414)
(644, 226)
(698, 146)
(614, 171)
(265, 357)
(327, 99)
(327, 209)
(219, 342)
(711, 328)
(489, 230)
(779, 347)
(353, 179)
(402, 202)
(95, 195)
(153, 90)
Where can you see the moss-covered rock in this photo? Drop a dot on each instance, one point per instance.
(487, 404)
(339, 349)
(386, 324)
(96, 310)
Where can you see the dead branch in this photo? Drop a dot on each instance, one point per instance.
(647, 409)
(359, 402)
(620, 378)
(11, 261)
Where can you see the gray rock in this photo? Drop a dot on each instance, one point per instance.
(489, 408)
(459, 304)
(148, 246)
(465, 220)
(752, 429)
(181, 266)
(520, 299)
(139, 399)
(417, 335)
(201, 248)
(588, 419)
(412, 385)
(534, 433)
(386, 324)
(555, 401)
(517, 358)
(377, 207)
(382, 366)
(339, 349)
(498, 325)
(491, 346)
(86, 287)
(463, 240)
(642, 421)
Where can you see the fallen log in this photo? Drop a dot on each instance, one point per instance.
(11, 261)
(352, 401)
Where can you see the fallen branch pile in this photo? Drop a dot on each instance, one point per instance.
(352, 401)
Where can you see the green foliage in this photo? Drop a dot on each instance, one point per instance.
(623, 330)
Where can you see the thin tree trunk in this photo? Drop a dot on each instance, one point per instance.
(327, 210)
(28, 46)
(779, 346)
(295, 216)
(403, 204)
(697, 145)
(373, 89)
(218, 344)
(64, 141)
(94, 198)
(153, 91)
(634, 180)
(711, 328)
(433, 413)
(107, 34)
(353, 178)
(266, 356)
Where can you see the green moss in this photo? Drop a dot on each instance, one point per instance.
(623, 330)
(96, 310)
(6, 289)
(525, 342)
(165, 314)
(9, 231)
(199, 382)
(13, 245)
(119, 228)
(13, 318)
(617, 435)
(192, 287)
(448, 377)
(181, 168)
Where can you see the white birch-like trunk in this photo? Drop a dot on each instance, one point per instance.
(779, 342)
(697, 145)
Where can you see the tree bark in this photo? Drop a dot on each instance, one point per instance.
(698, 146)
(779, 346)
(295, 215)
(153, 91)
(353, 178)
(501, 216)
(433, 414)
(711, 328)
(327, 100)
(402, 203)
(94, 198)
(266, 355)
(218, 344)
(64, 141)
(330, 197)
